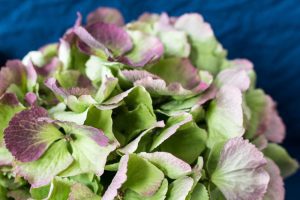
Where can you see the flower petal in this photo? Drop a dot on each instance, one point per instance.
(172, 167)
(106, 15)
(146, 49)
(239, 158)
(275, 189)
(27, 138)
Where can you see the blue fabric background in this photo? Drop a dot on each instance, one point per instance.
(266, 32)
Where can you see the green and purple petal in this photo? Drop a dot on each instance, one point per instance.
(146, 49)
(101, 35)
(106, 15)
(13, 72)
(27, 138)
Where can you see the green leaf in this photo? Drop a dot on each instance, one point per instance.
(42, 171)
(280, 156)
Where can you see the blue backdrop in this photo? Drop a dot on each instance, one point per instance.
(266, 32)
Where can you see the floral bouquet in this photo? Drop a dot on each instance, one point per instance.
(148, 110)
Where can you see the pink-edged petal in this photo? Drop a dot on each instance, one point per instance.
(52, 85)
(26, 137)
(274, 128)
(42, 171)
(275, 189)
(172, 166)
(194, 25)
(146, 49)
(133, 145)
(135, 75)
(118, 180)
(12, 73)
(237, 75)
(96, 134)
(239, 173)
(180, 188)
(106, 15)
(88, 44)
(173, 124)
(225, 115)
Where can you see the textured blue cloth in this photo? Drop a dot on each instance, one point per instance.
(266, 32)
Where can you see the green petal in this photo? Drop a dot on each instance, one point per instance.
(143, 177)
(180, 188)
(225, 115)
(88, 157)
(171, 166)
(79, 192)
(159, 195)
(280, 156)
(200, 192)
(42, 171)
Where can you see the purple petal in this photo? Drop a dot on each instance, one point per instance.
(106, 37)
(49, 68)
(147, 49)
(272, 125)
(106, 15)
(30, 98)
(118, 180)
(12, 73)
(26, 137)
(51, 84)
(9, 99)
(275, 189)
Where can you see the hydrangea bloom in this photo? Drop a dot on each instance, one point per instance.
(148, 110)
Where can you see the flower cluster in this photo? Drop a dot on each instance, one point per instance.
(148, 110)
